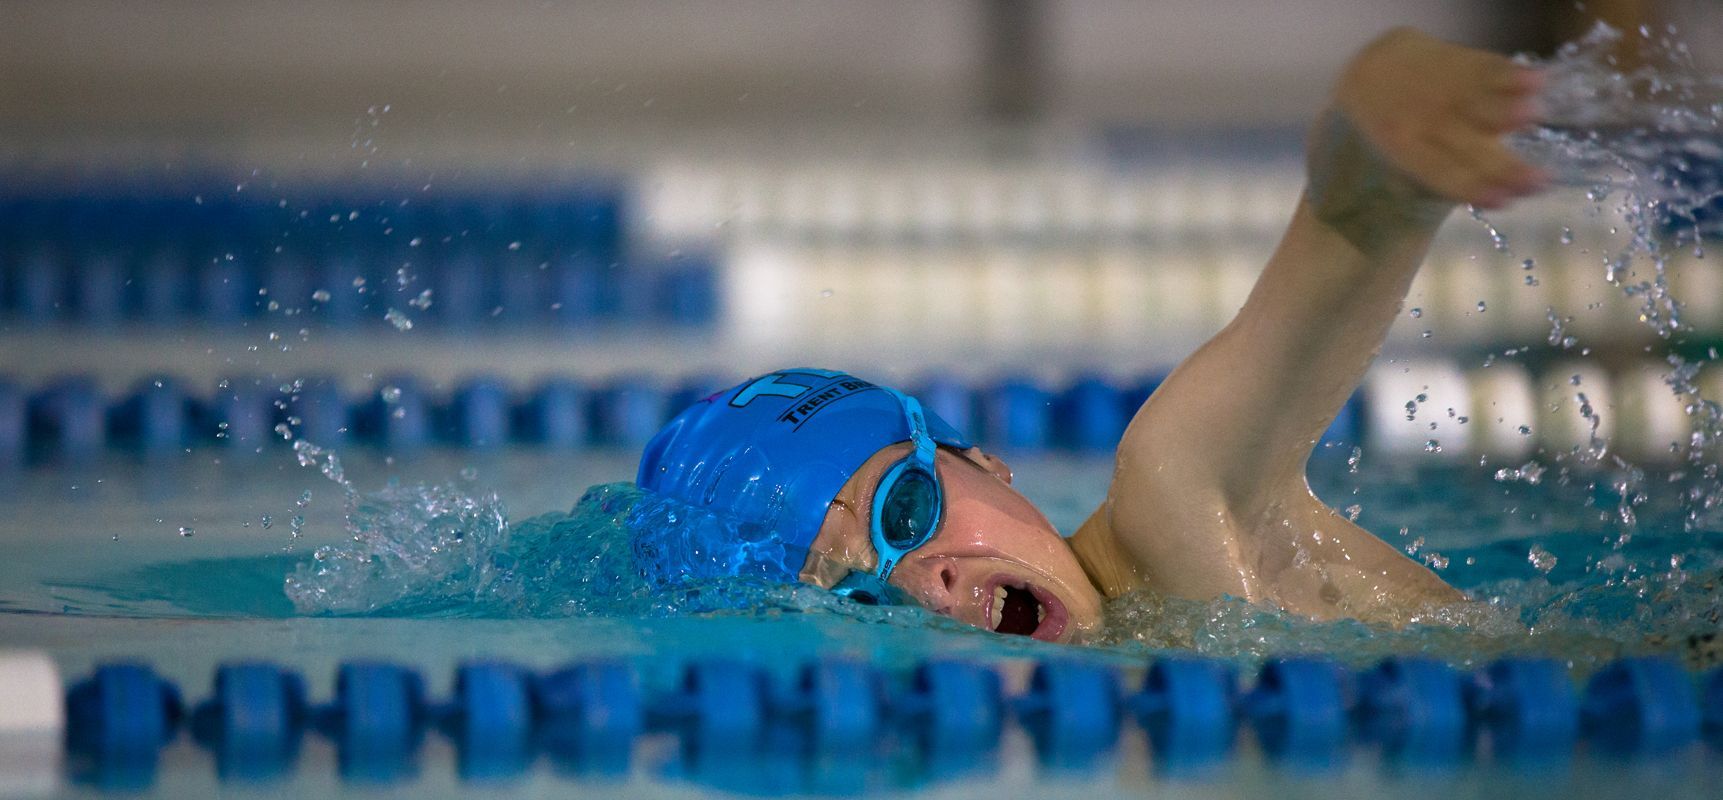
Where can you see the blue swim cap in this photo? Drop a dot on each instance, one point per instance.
(772, 452)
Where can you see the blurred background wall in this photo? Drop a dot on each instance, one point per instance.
(504, 73)
(678, 192)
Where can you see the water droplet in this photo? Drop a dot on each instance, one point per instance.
(401, 321)
(321, 295)
(266, 521)
(1542, 560)
(390, 394)
(1481, 307)
(1416, 312)
(185, 530)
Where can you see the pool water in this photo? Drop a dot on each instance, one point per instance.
(173, 564)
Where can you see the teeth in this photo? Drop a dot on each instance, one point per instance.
(1040, 614)
(996, 614)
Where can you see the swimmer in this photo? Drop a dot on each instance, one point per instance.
(872, 496)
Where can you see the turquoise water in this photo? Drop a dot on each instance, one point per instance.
(94, 567)
(1551, 566)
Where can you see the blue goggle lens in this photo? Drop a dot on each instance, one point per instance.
(910, 511)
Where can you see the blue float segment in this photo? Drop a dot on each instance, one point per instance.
(1091, 416)
(478, 415)
(155, 418)
(522, 295)
(347, 303)
(317, 412)
(14, 424)
(461, 296)
(98, 289)
(630, 293)
(720, 705)
(1017, 414)
(377, 719)
(1527, 705)
(240, 414)
(161, 292)
(1188, 708)
(1072, 709)
(592, 706)
(287, 284)
(1641, 705)
(1137, 392)
(254, 720)
(694, 388)
(836, 704)
(398, 414)
(41, 287)
(1415, 707)
(951, 400)
(575, 295)
(68, 418)
(1299, 709)
(489, 718)
(954, 705)
(225, 290)
(630, 411)
(690, 294)
(555, 415)
(123, 711)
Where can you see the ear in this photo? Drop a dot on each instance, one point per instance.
(990, 462)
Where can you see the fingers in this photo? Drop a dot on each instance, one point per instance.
(1501, 112)
(1486, 173)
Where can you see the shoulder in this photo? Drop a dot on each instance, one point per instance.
(1097, 549)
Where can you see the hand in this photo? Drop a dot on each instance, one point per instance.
(1436, 112)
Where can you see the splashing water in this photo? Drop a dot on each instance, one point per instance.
(1639, 140)
(437, 550)
(1646, 144)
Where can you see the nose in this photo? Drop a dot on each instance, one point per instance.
(947, 575)
(930, 581)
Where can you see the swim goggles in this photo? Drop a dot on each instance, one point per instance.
(907, 509)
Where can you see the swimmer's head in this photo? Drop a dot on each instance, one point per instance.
(868, 494)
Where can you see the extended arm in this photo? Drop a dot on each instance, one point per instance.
(1209, 496)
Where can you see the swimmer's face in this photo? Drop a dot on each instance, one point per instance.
(995, 563)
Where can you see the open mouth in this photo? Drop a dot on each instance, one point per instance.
(1024, 611)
